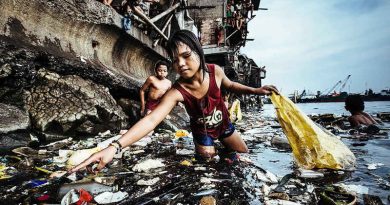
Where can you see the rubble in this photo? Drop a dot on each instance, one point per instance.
(161, 170)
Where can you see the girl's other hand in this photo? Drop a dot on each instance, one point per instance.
(267, 90)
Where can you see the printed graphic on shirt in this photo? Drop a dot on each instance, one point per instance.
(212, 120)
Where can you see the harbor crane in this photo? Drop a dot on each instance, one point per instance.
(344, 83)
(327, 92)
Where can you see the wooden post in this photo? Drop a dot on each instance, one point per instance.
(163, 29)
(156, 18)
(150, 23)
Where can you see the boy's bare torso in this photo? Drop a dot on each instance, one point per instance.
(158, 88)
(361, 118)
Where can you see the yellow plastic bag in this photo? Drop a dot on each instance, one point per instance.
(235, 111)
(312, 147)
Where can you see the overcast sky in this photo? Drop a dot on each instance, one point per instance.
(313, 44)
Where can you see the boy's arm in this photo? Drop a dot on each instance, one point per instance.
(142, 91)
(240, 88)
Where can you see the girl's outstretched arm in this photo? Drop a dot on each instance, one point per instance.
(138, 131)
(235, 87)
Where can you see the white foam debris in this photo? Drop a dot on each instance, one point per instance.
(148, 164)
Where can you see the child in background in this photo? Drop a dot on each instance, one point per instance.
(355, 105)
(157, 85)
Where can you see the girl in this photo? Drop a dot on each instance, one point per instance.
(199, 89)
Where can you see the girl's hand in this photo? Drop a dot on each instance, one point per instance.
(103, 157)
(267, 90)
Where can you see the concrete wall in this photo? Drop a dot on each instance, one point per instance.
(69, 28)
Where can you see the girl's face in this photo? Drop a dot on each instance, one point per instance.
(186, 62)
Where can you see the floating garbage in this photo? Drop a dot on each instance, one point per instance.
(267, 177)
(110, 197)
(91, 186)
(305, 173)
(359, 189)
(149, 182)
(374, 166)
(148, 164)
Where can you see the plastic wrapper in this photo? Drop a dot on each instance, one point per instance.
(235, 111)
(312, 147)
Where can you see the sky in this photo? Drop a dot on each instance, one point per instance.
(314, 44)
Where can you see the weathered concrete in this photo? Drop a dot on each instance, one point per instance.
(69, 104)
(12, 119)
(86, 29)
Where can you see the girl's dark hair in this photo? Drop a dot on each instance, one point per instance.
(159, 63)
(354, 103)
(188, 38)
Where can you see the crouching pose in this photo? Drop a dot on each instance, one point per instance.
(199, 89)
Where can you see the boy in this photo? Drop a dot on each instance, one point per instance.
(355, 105)
(157, 86)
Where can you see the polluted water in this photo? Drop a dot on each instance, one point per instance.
(162, 169)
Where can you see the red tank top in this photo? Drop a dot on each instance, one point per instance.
(209, 112)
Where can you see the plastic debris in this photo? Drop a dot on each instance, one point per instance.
(105, 180)
(359, 189)
(206, 192)
(280, 202)
(109, 197)
(148, 164)
(186, 163)
(200, 168)
(149, 182)
(25, 151)
(70, 197)
(57, 174)
(265, 189)
(81, 155)
(267, 177)
(184, 152)
(36, 183)
(312, 146)
(143, 142)
(85, 197)
(4, 172)
(304, 173)
(181, 133)
(92, 187)
(374, 166)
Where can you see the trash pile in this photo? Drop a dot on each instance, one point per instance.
(161, 169)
